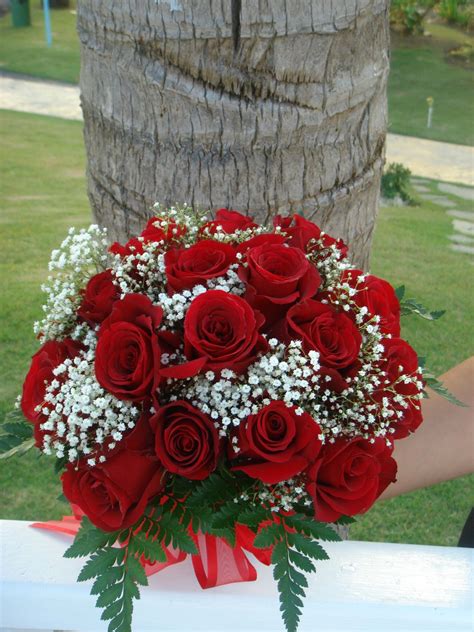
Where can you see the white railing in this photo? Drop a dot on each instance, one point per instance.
(365, 586)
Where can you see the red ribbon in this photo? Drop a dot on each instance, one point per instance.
(215, 564)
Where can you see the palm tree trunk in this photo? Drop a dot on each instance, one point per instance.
(265, 106)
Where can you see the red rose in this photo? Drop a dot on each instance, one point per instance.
(259, 240)
(399, 359)
(229, 222)
(204, 260)
(298, 229)
(99, 297)
(222, 329)
(323, 329)
(278, 276)
(409, 420)
(378, 296)
(331, 379)
(128, 354)
(45, 360)
(276, 443)
(157, 229)
(301, 231)
(160, 229)
(186, 440)
(114, 494)
(349, 476)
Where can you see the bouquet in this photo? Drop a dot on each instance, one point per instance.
(215, 386)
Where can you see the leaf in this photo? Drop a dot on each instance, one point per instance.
(113, 609)
(410, 306)
(254, 516)
(10, 447)
(289, 591)
(109, 595)
(171, 530)
(267, 536)
(438, 387)
(151, 550)
(227, 516)
(313, 528)
(99, 562)
(16, 435)
(109, 577)
(345, 520)
(135, 571)
(400, 292)
(301, 561)
(21, 430)
(308, 547)
(88, 539)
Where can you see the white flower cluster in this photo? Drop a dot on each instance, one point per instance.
(282, 496)
(146, 273)
(284, 373)
(82, 254)
(328, 260)
(82, 417)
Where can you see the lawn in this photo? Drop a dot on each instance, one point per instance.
(419, 69)
(421, 72)
(24, 50)
(43, 192)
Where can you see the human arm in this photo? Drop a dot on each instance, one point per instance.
(443, 447)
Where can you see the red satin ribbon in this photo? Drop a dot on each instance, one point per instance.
(215, 564)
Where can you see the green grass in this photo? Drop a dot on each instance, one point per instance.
(411, 247)
(419, 69)
(24, 50)
(43, 193)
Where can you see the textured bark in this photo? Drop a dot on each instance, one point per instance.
(260, 105)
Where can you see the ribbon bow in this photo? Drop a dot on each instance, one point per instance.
(216, 563)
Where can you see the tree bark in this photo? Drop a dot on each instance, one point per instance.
(266, 106)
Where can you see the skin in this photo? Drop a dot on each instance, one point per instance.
(443, 446)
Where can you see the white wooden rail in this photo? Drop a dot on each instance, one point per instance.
(365, 586)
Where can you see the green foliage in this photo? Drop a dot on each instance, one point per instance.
(15, 435)
(117, 571)
(411, 306)
(295, 549)
(395, 182)
(438, 387)
(408, 16)
(454, 12)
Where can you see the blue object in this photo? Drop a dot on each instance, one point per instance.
(47, 23)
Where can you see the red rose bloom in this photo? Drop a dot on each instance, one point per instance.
(379, 297)
(159, 229)
(153, 231)
(229, 221)
(399, 359)
(276, 443)
(278, 276)
(323, 329)
(128, 354)
(222, 329)
(205, 260)
(298, 229)
(114, 494)
(301, 231)
(99, 297)
(186, 440)
(45, 360)
(409, 421)
(349, 476)
(259, 240)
